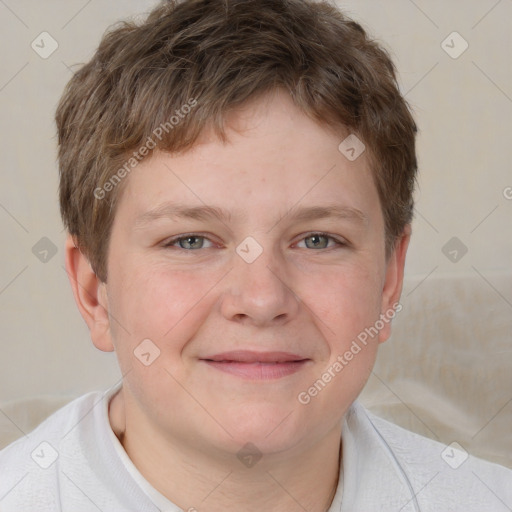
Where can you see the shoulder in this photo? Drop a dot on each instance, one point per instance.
(32, 466)
(438, 473)
(54, 429)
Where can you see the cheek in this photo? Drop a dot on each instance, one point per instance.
(346, 301)
(167, 308)
(149, 301)
(347, 304)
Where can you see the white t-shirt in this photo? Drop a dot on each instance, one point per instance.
(73, 462)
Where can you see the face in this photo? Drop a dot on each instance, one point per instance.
(251, 267)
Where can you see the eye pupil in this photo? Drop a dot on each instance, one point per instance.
(187, 242)
(316, 241)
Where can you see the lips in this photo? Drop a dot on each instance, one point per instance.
(247, 356)
(257, 365)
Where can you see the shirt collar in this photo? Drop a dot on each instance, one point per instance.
(372, 476)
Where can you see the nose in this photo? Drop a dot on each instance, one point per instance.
(260, 293)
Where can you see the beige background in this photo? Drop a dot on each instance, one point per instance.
(463, 107)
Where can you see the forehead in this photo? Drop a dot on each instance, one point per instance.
(276, 159)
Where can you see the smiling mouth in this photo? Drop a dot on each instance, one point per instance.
(257, 365)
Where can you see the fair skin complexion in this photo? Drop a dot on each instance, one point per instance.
(183, 419)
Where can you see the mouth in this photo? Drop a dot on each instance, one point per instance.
(257, 365)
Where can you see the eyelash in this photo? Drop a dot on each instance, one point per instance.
(169, 244)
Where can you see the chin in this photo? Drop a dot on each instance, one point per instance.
(268, 427)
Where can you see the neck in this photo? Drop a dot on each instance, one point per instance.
(196, 479)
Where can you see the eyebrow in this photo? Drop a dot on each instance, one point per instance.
(176, 210)
(335, 211)
(305, 213)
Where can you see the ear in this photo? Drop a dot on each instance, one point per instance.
(393, 282)
(90, 296)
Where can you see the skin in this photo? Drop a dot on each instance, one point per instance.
(183, 422)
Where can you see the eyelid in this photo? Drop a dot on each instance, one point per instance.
(169, 242)
(340, 242)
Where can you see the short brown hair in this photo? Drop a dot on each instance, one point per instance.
(220, 54)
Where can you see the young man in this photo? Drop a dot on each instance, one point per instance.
(237, 180)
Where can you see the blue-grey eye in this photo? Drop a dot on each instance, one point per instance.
(319, 241)
(188, 242)
(191, 242)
